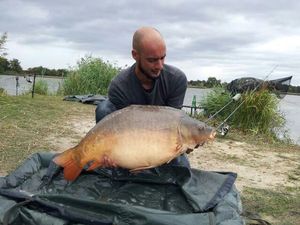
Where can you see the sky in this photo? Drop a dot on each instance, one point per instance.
(225, 39)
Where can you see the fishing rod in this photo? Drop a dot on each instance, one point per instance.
(223, 128)
(234, 98)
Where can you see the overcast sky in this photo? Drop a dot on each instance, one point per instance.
(224, 39)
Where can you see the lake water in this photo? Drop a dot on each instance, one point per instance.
(9, 83)
(289, 105)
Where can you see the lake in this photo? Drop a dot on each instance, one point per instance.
(9, 83)
(289, 105)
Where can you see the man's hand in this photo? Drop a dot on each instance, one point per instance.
(108, 162)
(189, 150)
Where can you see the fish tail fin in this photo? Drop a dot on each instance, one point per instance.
(71, 167)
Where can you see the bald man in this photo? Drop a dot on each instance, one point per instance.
(149, 81)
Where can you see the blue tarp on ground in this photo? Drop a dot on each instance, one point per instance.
(86, 99)
(37, 193)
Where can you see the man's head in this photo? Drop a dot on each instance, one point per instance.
(149, 52)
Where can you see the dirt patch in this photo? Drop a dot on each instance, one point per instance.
(255, 167)
(77, 127)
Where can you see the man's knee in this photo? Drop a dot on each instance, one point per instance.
(104, 108)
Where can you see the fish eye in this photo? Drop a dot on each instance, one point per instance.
(200, 128)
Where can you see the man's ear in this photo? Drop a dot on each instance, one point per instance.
(134, 54)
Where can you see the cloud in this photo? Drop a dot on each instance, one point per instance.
(225, 39)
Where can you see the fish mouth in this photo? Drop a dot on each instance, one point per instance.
(212, 135)
(207, 138)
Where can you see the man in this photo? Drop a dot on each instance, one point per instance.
(147, 82)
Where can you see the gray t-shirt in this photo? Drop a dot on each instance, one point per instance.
(168, 89)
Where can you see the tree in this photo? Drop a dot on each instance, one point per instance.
(2, 42)
(36, 70)
(14, 65)
(213, 82)
(61, 72)
(197, 83)
(4, 64)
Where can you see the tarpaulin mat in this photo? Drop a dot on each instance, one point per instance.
(37, 193)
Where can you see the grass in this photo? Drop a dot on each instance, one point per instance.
(281, 207)
(41, 87)
(295, 174)
(25, 124)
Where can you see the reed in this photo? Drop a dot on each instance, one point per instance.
(258, 112)
(3, 92)
(41, 87)
(91, 76)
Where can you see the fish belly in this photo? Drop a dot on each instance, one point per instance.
(144, 149)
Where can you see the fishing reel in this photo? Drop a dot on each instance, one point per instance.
(223, 129)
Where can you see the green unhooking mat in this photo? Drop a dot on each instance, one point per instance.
(37, 193)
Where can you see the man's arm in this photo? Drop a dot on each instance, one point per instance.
(178, 90)
(116, 96)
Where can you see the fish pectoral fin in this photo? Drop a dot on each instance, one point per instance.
(95, 164)
(178, 151)
(179, 136)
(180, 148)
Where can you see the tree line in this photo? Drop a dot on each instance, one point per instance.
(209, 83)
(213, 82)
(14, 66)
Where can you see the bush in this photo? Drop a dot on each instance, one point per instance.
(2, 92)
(40, 87)
(60, 90)
(92, 76)
(214, 101)
(256, 112)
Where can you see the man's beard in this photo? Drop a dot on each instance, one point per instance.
(148, 75)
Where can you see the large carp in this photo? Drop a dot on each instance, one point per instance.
(136, 137)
